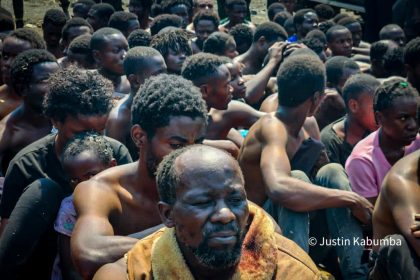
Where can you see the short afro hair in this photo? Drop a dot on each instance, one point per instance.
(55, 17)
(271, 32)
(81, 45)
(335, 68)
(347, 21)
(206, 15)
(136, 57)
(231, 3)
(299, 78)
(99, 37)
(412, 52)
(74, 93)
(378, 49)
(103, 10)
(393, 62)
(389, 91)
(169, 179)
(22, 67)
(216, 43)
(167, 5)
(314, 44)
(121, 20)
(324, 11)
(318, 34)
(280, 18)
(165, 96)
(326, 25)
(358, 84)
(88, 141)
(29, 35)
(164, 20)
(299, 17)
(199, 67)
(383, 33)
(243, 35)
(339, 16)
(139, 38)
(74, 22)
(272, 10)
(333, 30)
(175, 40)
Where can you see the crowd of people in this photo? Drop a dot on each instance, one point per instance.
(173, 141)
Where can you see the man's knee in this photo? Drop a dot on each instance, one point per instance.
(333, 176)
(297, 174)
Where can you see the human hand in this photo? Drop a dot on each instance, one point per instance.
(362, 209)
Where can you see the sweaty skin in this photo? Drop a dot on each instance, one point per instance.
(397, 208)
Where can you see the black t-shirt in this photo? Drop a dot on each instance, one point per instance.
(38, 160)
(337, 150)
(29, 243)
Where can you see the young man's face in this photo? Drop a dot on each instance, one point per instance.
(203, 30)
(210, 214)
(219, 91)
(11, 48)
(83, 167)
(364, 114)
(236, 80)
(174, 61)
(356, 33)
(397, 35)
(230, 49)
(180, 132)
(400, 122)
(74, 125)
(52, 34)
(310, 22)
(237, 14)
(34, 92)
(74, 32)
(203, 5)
(182, 11)
(136, 7)
(111, 56)
(342, 43)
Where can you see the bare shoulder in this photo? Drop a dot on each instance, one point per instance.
(116, 271)
(270, 126)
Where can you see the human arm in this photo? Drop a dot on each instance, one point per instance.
(402, 197)
(239, 114)
(68, 271)
(93, 242)
(115, 271)
(226, 145)
(292, 193)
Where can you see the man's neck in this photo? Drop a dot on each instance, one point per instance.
(115, 78)
(34, 117)
(392, 151)
(354, 132)
(255, 58)
(144, 183)
(292, 118)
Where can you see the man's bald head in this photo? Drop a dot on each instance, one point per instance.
(194, 161)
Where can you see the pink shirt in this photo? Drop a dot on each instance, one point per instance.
(367, 165)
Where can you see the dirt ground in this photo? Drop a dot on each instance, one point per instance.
(35, 9)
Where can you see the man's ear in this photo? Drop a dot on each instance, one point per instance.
(113, 162)
(204, 88)
(135, 80)
(165, 212)
(138, 135)
(379, 118)
(96, 56)
(352, 105)
(261, 41)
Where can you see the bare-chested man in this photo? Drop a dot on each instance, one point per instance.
(26, 123)
(396, 222)
(277, 144)
(167, 113)
(18, 41)
(140, 63)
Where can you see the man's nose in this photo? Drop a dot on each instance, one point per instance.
(222, 214)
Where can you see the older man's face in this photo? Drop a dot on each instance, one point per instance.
(211, 212)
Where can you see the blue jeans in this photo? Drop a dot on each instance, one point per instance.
(331, 223)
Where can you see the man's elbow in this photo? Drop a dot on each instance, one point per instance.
(86, 260)
(285, 196)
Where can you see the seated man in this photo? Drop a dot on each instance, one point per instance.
(26, 123)
(332, 106)
(181, 8)
(221, 44)
(140, 63)
(304, 20)
(277, 144)
(141, 8)
(396, 219)
(109, 47)
(205, 23)
(359, 47)
(53, 22)
(236, 12)
(265, 36)
(339, 41)
(16, 42)
(200, 6)
(174, 47)
(243, 37)
(342, 135)
(378, 51)
(167, 113)
(211, 230)
(73, 28)
(393, 32)
(395, 105)
(35, 181)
